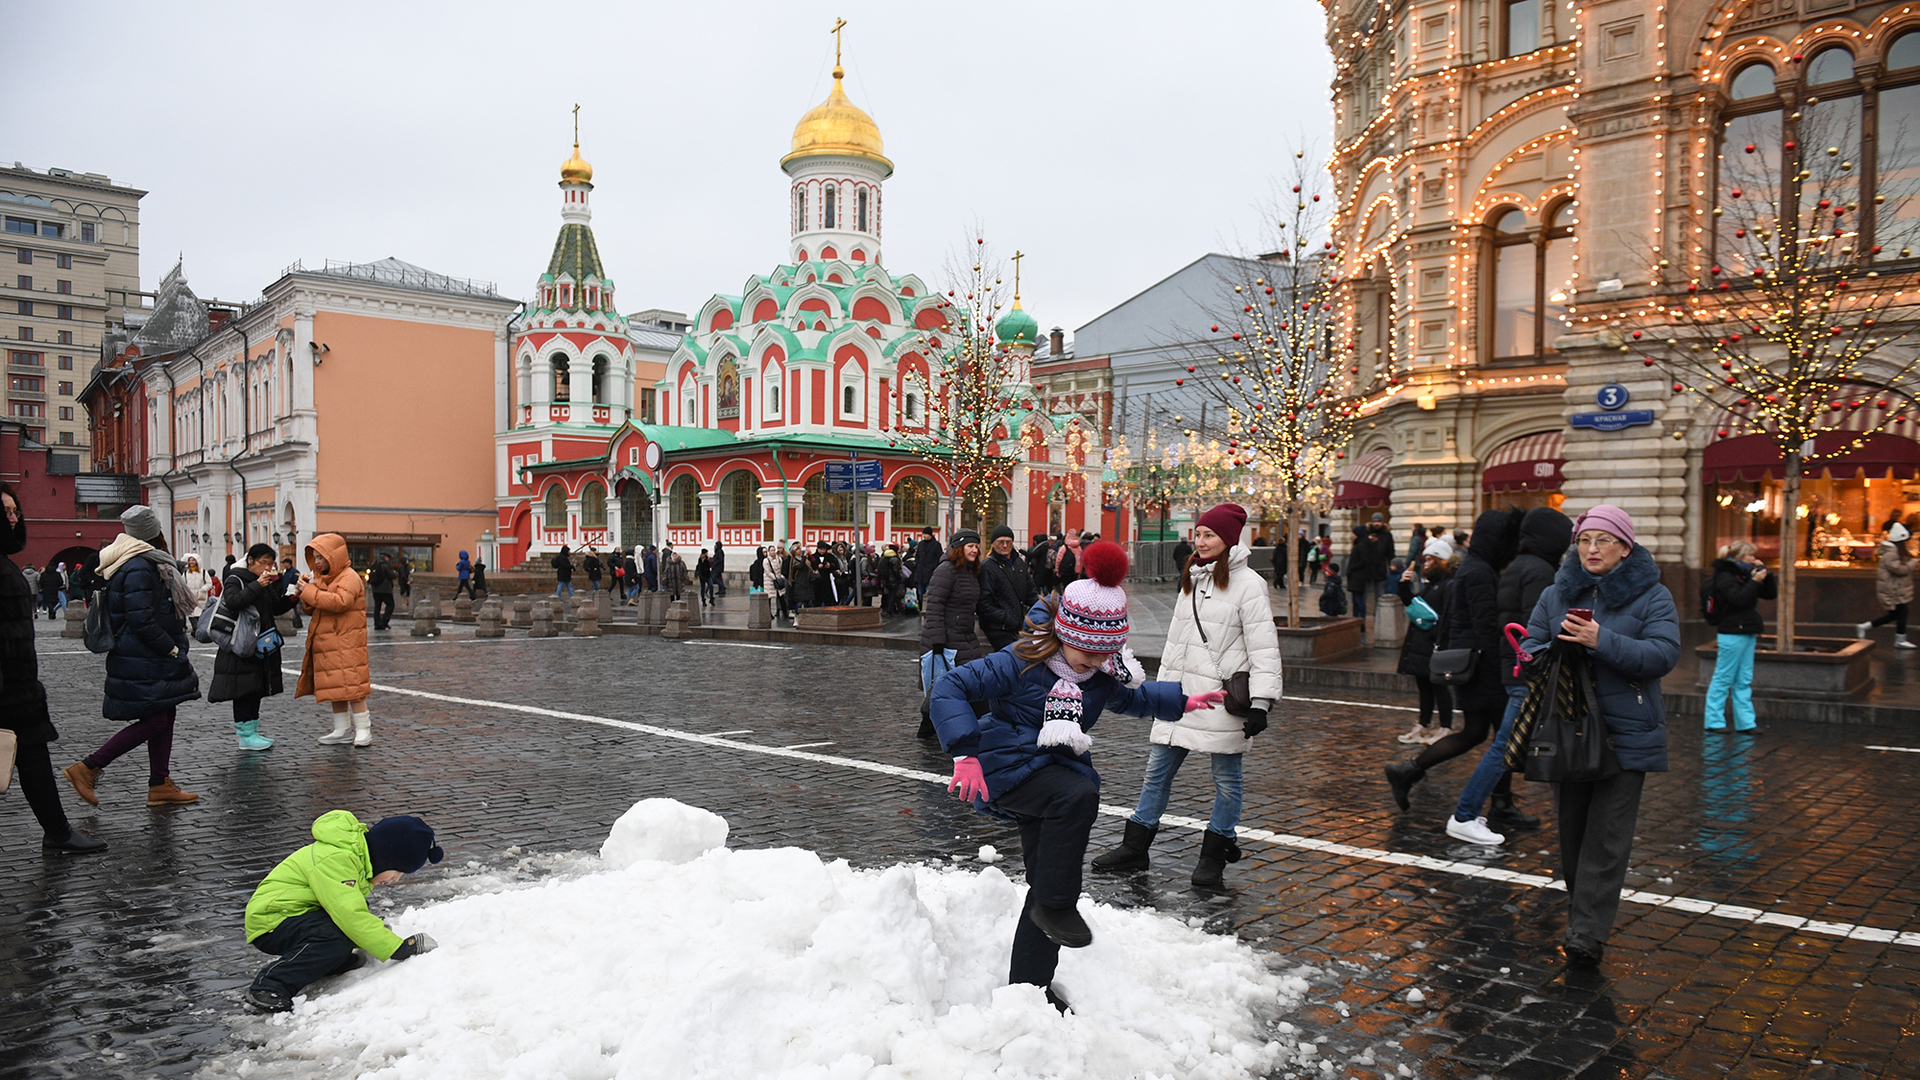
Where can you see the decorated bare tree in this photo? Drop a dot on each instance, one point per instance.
(1791, 332)
(1292, 390)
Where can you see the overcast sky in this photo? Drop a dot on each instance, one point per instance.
(1112, 142)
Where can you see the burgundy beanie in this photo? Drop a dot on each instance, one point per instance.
(1226, 520)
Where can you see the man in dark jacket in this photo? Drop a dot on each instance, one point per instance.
(1040, 562)
(1006, 591)
(380, 583)
(403, 575)
(563, 572)
(1367, 566)
(926, 559)
(719, 570)
(1182, 551)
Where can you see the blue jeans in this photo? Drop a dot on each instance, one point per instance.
(564, 588)
(933, 664)
(1163, 761)
(1732, 677)
(1493, 764)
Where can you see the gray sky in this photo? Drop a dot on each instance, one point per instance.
(1112, 142)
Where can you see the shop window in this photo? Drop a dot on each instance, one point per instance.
(1844, 517)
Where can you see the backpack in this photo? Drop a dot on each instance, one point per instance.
(1710, 608)
(99, 633)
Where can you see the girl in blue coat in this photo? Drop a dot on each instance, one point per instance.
(1026, 758)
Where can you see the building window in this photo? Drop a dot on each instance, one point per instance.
(912, 407)
(23, 307)
(800, 209)
(689, 406)
(773, 395)
(66, 438)
(740, 498)
(593, 506)
(23, 281)
(66, 338)
(53, 229)
(648, 398)
(23, 226)
(30, 383)
(555, 513)
(26, 333)
(66, 362)
(23, 255)
(27, 359)
(62, 286)
(28, 408)
(821, 507)
(861, 222)
(63, 262)
(86, 231)
(562, 383)
(827, 219)
(915, 502)
(66, 412)
(66, 388)
(65, 311)
(849, 398)
(683, 501)
(1530, 275)
(1522, 27)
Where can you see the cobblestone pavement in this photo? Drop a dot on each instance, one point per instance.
(130, 963)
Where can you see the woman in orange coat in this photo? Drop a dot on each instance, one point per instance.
(335, 667)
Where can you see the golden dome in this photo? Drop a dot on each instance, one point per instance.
(838, 126)
(576, 170)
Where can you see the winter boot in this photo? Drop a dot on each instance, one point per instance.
(363, 728)
(1058, 1002)
(1216, 851)
(248, 732)
(167, 793)
(268, 1000)
(1504, 815)
(83, 776)
(342, 732)
(76, 843)
(1132, 852)
(1063, 926)
(1401, 777)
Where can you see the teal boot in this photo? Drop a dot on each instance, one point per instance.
(250, 737)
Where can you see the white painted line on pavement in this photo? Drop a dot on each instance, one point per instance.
(1898, 749)
(1362, 704)
(1737, 913)
(805, 745)
(737, 644)
(724, 734)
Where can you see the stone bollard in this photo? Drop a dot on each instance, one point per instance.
(426, 617)
(603, 605)
(653, 608)
(586, 622)
(677, 621)
(76, 624)
(462, 610)
(1389, 623)
(522, 612)
(491, 622)
(759, 611)
(542, 625)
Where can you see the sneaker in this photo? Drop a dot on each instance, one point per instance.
(268, 1000)
(1474, 832)
(1417, 734)
(1432, 735)
(1860, 629)
(1903, 643)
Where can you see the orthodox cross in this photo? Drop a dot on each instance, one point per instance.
(1017, 256)
(576, 125)
(838, 23)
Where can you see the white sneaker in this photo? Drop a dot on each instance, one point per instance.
(1903, 643)
(1417, 735)
(1434, 734)
(1860, 629)
(1474, 832)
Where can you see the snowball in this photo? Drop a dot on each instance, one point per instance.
(663, 830)
(989, 854)
(1415, 997)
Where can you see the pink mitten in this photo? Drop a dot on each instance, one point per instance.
(968, 780)
(1205, 701)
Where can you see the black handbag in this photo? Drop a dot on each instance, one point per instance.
(1559, 735)
(1451, 667)
(1237, 685)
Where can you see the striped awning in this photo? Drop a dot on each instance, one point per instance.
(1364, 481)
(1743, 449)
(1529, 463)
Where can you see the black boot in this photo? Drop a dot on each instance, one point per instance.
(1401, 777)
(1063, 926)
(1216, 851)
(1506, 817)
(1058, 1002)
(76, 843)
(1132, 852)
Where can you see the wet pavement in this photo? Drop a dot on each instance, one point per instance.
(130, 963)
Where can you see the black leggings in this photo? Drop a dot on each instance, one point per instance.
(42, 794)
(1436, 700)
(1898, 617)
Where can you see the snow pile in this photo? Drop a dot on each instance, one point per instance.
(663, 830)
(773, 963)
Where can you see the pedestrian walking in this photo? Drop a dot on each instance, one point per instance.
(1025, 755)
(631, 572)
(719, 570)
(23, 698)
(563, 572)
(1738, 582)
(947, 629)
(1634, 639)
(926, 559)
(1436, 700)
(1893, 586)
(197, 582)
(32, 576)
(826, 575)
(403, 575)
(595, 570)
(1471, 621)
(1222, 627)
(311, 909)
(334, 668)
(148, 673)
(479, 580)
(673, 572)
(800, 578)
(1367, 568)
(1007, 592)
(381, 580)
(650, 568)
(891, 574)
(1066, 560)
(703, 573)
(248, 680)
(1545, 535)
(53, 589)
(463, 577)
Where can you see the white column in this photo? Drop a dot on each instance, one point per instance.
(306, 422)
(709, 516)
(502, 379)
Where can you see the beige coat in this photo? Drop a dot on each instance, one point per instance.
(335, 667)
(1893, 583)
(1240, 635)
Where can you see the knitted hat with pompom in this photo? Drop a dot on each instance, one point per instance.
(1093, 609)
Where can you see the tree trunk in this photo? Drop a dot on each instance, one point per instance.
(1789, 547)
(1284, 552)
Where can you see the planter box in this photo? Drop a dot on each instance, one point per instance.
(838, 618)
(1318, 638)
(1840, 671)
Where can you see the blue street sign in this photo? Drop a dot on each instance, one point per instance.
(845, 476)
(1612, 397)
(1612, 421)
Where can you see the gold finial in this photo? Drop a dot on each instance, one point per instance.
(838, 25)
(1017, 256)
(575, 169)
(576, 126)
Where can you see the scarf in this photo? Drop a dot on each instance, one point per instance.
(124, 547)
(1065, 700)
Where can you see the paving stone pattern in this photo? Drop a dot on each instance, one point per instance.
(130, 963)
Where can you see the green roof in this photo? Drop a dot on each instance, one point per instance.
(1017, 327)
(673, 437)
(575, 254)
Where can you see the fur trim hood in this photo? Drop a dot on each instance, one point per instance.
(1635, 575)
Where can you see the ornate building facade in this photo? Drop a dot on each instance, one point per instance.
(1512, 176)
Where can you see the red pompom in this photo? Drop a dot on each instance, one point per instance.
(1105, 562)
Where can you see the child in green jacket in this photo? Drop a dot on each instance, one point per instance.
(311, 910)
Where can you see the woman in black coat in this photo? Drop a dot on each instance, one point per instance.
(1471, 621)
(52, 584)
(1436, 699)
(23, 700)
(947, 629)
(148, 673)
(246, 680)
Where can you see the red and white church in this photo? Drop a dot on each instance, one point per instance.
(819, 359)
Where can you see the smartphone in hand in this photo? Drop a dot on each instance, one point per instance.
(1580, 612)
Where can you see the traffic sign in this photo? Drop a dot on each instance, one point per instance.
(845, 476)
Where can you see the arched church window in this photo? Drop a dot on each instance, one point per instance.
(683, 501)
(861, 223)
(599, 380)
(912, 407)
(773, 399)
(593, 506)
(562, 378)
(555, 513)
(915, 502)
(818, 506)
(740, 498)
(800, 208)
(827, 218)
(849, 399)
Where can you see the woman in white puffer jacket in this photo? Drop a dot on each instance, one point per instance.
(1222, 624)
